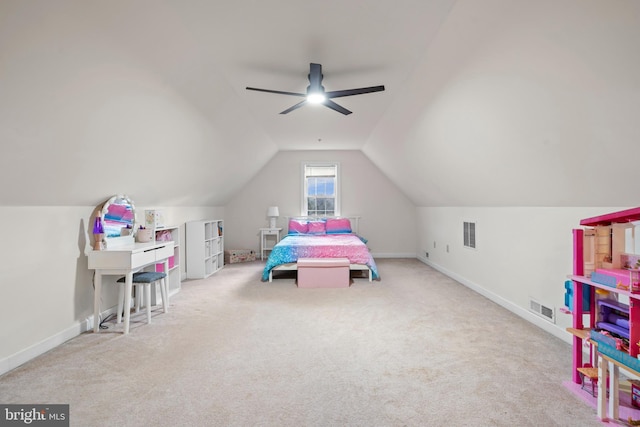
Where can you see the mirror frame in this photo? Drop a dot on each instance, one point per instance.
(122, 240)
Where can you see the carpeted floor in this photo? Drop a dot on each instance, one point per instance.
(414, 349)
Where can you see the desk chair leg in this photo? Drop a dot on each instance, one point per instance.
(138, 291)
(120, 302)
(165, 295)
(138, 299)
(147, 297)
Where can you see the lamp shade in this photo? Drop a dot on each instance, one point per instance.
(272, 211)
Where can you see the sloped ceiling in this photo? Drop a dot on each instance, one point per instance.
(491, 102)
(520, 103)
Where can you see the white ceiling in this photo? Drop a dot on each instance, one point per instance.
(205, 48)
(486, 102)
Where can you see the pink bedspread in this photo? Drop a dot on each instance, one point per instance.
(292, 247)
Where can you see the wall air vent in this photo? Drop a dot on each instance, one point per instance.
(541, 310)
(469, 233)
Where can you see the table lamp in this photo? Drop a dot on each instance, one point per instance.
(98, 233)
(272, 213)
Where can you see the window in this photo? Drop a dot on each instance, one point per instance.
(320, 189)
(470, 234)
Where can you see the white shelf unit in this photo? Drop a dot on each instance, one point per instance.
(205, 248)
(174, 275)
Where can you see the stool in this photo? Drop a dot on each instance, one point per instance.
(589, 372)
(144, 279)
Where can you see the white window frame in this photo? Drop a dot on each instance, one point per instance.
(305, 165)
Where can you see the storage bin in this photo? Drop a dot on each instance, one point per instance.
(239, 255)
(172, 263)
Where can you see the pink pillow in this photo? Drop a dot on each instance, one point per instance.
(317, 227)
(298, 226)
(338, 226)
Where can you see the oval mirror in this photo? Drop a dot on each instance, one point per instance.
(118, 217)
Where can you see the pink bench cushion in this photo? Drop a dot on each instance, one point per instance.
(323, 262)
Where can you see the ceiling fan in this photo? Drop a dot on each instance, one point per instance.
(316, 94)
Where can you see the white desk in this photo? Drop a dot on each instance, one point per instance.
(264, 233)
(124, 261)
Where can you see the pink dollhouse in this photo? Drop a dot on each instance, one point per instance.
(606, 266)
(600, 261)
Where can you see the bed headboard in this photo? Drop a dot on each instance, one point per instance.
(353, 219)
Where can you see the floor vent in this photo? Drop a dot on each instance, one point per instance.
(542, 310)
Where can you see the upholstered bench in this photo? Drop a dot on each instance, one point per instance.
(323, 273)
(140, 280)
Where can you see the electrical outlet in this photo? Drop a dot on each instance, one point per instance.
(426, 254)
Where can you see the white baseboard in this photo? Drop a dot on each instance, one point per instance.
(11, 362)
(519, 311)
(393, 255)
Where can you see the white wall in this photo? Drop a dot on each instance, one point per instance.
(46, 291)
(387, 215)
(521, 253)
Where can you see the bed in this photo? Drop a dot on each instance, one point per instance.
(320, 238)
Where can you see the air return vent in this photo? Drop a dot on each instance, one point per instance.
(469, 234)
(542, 310)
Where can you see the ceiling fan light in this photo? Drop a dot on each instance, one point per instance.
(316, 98)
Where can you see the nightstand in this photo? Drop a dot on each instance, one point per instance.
(268, 239)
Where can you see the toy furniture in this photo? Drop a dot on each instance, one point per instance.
(613, 316)
(609, 368)
(144, 279)
(323, 273)
(601, 260)
(591, 373)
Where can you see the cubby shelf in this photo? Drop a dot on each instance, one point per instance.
(172, 233)
(205, 248)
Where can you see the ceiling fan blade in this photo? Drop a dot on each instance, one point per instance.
(315, 78)
(295, 107)
(336, 107)
(277, 91)
(350, 92)
(315, 90)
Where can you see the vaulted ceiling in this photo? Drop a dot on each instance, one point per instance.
(487, 102)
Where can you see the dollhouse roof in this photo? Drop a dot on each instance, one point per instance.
(628, 215)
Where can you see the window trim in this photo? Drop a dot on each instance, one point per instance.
(303, 203)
